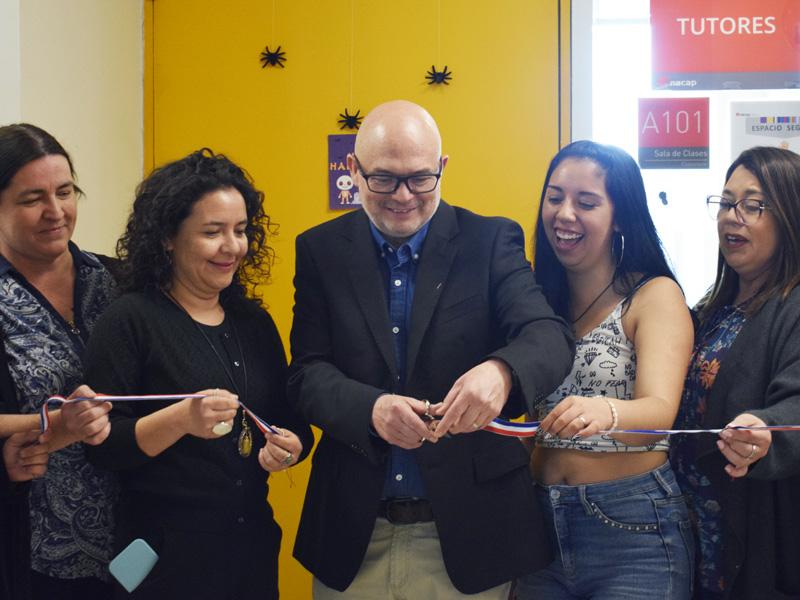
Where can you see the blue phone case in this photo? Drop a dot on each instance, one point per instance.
(132, 565)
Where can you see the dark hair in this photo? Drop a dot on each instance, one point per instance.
(165, 199)
(21, 143)
(778, 174)
(642, 255)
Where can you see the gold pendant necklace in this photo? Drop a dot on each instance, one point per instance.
(245, 438)
(245, 445)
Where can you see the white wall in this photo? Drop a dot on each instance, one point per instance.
(9, 61)
(81, 78)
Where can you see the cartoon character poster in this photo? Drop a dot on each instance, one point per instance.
(342, 192)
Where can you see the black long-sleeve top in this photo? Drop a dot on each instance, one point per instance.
(145, 344)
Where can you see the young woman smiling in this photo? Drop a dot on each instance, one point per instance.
(620, 528)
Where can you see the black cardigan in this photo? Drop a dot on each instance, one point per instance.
(144, 344)
(760, 375)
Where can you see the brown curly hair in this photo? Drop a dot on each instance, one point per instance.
(165, 198)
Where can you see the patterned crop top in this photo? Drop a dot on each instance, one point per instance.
(604, 365)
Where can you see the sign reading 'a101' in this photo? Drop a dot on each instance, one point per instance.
(673, 133)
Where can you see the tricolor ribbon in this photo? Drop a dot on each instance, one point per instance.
(531, 428)
(260, 423)
(499, 426)
(512, 428)
(44, 413)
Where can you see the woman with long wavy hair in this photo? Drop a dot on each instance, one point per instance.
(618, 522)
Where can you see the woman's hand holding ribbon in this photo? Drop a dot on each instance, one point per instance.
(203, 415)
(281, 451)
(87, 420)
(577, 416)
(25, 455)
(743, 447)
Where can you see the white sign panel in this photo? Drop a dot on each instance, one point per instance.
(764, 124)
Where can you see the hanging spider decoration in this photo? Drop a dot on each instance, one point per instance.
(438, 77)
(350, 121)
(273, 59)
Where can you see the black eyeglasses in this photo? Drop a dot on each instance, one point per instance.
(748, 210)
(381, 183)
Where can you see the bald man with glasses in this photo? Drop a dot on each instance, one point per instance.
(415, 324)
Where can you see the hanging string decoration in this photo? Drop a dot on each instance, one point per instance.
(346, 120)
(277, 57)
(434, 76)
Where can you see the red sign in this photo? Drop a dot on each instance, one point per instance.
(725, 44)
(673, 133)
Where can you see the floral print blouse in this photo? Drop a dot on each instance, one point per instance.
(713, 339)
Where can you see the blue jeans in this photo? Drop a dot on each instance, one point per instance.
(624, 539)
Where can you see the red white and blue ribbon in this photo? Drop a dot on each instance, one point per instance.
(44, 413)
(499, 426)
(512, 428)
(531, 428)
(260, 423)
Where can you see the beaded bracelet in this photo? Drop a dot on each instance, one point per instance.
(614, 415)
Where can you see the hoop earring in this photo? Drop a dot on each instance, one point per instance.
(621, 249)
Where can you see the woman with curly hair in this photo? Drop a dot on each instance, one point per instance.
(193, 250)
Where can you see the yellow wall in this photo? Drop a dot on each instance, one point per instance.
(499, 117)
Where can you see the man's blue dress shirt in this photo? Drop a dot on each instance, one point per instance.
(403, 478)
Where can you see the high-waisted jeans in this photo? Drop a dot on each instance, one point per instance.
(624, 539)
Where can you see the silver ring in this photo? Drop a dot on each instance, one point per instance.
(222, 428)
(583, 420)
(427, 414)
(752, 452)
(287, 460)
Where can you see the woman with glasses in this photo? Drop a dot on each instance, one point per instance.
(619, 526)
(743, 487)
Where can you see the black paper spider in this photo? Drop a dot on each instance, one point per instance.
(438, 77)
(350, 121)
(273, 59)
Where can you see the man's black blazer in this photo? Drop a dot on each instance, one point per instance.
(475, 298)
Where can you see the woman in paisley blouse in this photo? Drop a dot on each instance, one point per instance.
(51, 293)
(744, 486)
(619, 526)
